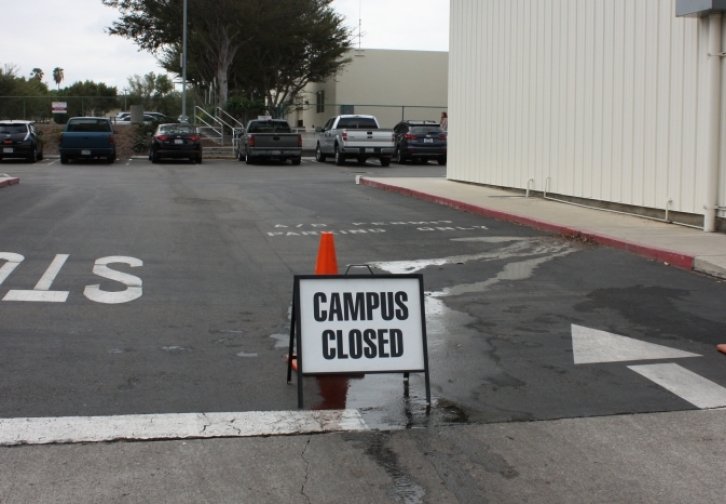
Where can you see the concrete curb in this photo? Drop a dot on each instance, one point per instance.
(6, 180)
(673, 258)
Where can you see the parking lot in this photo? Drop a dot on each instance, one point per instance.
(143, 289)
(149, 301)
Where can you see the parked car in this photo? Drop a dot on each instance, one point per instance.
(20, 139)
(158, 117)
(87, 138)
(354, 136)
(124, 118)
(268, 138)
(420, 141)
(176, 141)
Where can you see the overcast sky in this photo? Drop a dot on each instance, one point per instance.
(71, 35)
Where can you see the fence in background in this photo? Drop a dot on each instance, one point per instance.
(307, 117)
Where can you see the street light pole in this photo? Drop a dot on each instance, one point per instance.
(184, 117)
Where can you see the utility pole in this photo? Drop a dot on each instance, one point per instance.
(184, 117)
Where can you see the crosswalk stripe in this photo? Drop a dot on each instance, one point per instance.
(77, 429)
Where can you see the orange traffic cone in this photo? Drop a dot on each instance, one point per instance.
(333, 388)
(721, 348)
(326, 263)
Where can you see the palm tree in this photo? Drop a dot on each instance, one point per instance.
(58, 76)
(37, 74)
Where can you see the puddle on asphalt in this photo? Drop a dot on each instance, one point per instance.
(385, 400)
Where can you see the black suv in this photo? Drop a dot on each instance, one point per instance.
(19, 139)
(420, 141)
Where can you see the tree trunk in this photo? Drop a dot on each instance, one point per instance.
(227, 52)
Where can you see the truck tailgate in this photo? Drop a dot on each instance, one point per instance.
(77, 140)
(368, 139)
(275, 140)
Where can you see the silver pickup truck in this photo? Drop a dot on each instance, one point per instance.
(268, 138)
(354, 136)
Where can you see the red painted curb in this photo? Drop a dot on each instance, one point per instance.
(673, 258)
(10, 181)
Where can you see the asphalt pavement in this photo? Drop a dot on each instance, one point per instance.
(680, 246)
(669, 457)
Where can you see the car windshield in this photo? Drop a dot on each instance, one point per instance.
(177, 128)
(89, 125)
(357, 123)
(422, 130)
(11, 129)
(269, 127)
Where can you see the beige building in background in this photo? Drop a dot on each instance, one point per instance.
(390, 84)
(608, 102)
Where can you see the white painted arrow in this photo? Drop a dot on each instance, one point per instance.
(591, 346)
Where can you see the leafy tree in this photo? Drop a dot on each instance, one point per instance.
(58, 76)
(37, 74)
(312, 50)
(154, 92)
(258, 48)
(21, 97)
(89, 98)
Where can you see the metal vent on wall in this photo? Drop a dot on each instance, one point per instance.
(699, 7)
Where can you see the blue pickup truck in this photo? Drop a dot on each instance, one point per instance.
(87, 138)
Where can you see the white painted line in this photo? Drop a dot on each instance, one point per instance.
(20, 431)
(593, 346)
(46, 281)
(12, 261)
(37, 296)
(687, 385)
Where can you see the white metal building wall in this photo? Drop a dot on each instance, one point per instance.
(598, 99)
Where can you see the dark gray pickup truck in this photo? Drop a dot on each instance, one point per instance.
(87, 138)
(269, 139)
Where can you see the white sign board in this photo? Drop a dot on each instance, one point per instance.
(59, 107)
(360, 324)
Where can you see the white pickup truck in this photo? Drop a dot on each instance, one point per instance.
(354, 136)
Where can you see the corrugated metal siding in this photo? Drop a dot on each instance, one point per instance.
(599, 99)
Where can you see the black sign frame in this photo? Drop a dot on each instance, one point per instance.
(295, 350)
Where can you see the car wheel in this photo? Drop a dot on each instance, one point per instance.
(339, 157)
(249, 159)
(40, 154)
(296, 161)
(199, 159)
(442, 160)
(33, 157)
(398, 157)
(319, 156)
(63, 159)
(385, 161)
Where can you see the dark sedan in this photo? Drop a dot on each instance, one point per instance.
(176, 141)
(420, 141)
(19, 139)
